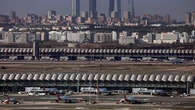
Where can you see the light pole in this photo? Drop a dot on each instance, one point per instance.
(187, 88)
(78, 86)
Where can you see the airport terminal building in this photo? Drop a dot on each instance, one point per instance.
(181, 82)
(94, 54)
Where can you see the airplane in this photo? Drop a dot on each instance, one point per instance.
(160, 93)
(66, 99)
(132, 100)
(176, 60)
(9, 100)
(154, 92)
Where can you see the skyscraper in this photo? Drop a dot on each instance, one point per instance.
(188, 18)
(127, 14)
(76, 8)
(84, 14)
(12, 15)
(133, 9)
(129, 5)
(92, 8)
(51, 14)
(115, 7)
(193, 18)
(111, 7)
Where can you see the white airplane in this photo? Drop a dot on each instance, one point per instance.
(9, 100)
(66, 99)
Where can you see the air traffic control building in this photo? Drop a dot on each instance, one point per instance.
(182, 82)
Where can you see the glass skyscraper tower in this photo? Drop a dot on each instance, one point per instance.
(115, 6)
(76, 8)
(92, 8)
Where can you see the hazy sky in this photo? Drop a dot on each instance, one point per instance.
(176, 8)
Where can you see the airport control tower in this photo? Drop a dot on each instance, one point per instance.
(36, 53)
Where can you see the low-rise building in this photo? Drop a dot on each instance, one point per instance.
(4, 19)
(2, 37)
(21, 37)
(79, 37)
(57, 36)
(70, 36)
(184, 37)
(115, 36)
(103, 38)
(169, 37)
(148, 38)
(126, 39)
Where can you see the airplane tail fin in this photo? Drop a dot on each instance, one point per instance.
(44, 89)
(58, 96)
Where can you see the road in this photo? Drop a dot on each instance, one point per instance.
(94, 66)
(94, 62)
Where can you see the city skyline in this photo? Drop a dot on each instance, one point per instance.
(176, 8)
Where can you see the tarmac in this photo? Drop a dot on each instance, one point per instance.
(105, 103)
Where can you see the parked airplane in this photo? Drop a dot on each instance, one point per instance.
(9, 100)
(176, 60)
(66, 99)
(153, 92)
(132, 100)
